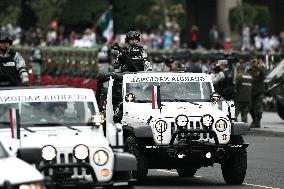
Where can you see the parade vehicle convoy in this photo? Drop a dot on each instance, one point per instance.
(15, 173)
(67, 127)
(175, 121)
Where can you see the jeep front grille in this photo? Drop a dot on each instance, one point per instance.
(192, 125)
(68, 158)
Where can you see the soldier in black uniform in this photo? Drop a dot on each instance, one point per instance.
(13, 70)
(242, 98)
(258, 73)
(132, 57)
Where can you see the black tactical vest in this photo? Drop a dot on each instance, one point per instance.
(8, 71)
(244, 86)
(133, 60)
(226, 87)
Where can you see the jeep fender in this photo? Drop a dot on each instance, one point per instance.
(143, 134)
(124, 162)
(240, 128)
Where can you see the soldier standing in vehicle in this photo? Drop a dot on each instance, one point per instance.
(242, 97)
(13, 71)
(132, 57)
(258, 73)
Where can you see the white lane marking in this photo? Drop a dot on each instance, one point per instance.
(165, 171)
(172, 172)
(261, 186)
(254, 185)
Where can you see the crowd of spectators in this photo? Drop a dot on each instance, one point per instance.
(167, 36)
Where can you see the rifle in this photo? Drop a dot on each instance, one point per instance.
(125, 53)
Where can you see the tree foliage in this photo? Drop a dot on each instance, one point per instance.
(10, 12)
(47, 11)
(132, 14)
(251, 15)
(75, 15)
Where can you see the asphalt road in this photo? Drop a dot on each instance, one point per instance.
(265, 166)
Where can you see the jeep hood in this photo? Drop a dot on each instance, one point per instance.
(170, 109)
(61, 137)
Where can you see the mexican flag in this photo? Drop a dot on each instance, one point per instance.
(14, 123)
(106, 25)
(156, 97)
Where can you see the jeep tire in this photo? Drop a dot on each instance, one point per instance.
(186, 172)
(132, 147)
(235, 166)
(280, 109)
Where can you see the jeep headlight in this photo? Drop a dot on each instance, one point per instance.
(181, 120)
(81, 152)
(48, 152)
(100, 157)
(31, 186)
(221, 125)
(207, 120)
(161, 126)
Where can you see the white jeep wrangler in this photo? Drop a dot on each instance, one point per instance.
(15, 173)
(173, 121)
(66, 125)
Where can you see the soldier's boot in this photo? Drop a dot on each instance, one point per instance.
(252, 125)
(256, 123)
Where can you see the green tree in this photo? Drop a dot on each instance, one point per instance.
(251, 15)
(47, 11)
(10, 11)
(83, 14)
(132, 14)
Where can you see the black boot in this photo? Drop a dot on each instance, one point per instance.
(256, 123)
(252, 125)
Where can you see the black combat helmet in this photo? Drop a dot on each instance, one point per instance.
(132, 35)
(4, 36)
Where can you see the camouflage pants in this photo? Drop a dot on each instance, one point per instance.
(243, 108)
(256, 107)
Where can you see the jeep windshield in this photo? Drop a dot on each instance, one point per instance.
(171, 91)
(61, 113)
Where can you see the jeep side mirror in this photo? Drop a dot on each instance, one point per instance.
(30, 155)
(130, 97)
(215, 97)
(97, 119)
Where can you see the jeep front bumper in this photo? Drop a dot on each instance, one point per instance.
(62, 173)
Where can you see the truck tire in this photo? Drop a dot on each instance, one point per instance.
(280, 110)
(234, 168)
(131, 146)
(186, 172)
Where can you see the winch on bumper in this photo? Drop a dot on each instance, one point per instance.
(82, 173)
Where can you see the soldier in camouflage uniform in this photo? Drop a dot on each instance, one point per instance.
(258, 73)
(134, 58)
(13, 70)
(242, 97)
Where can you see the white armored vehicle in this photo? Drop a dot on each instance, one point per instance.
(174, 121)
(15, 173)
(66, 125)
